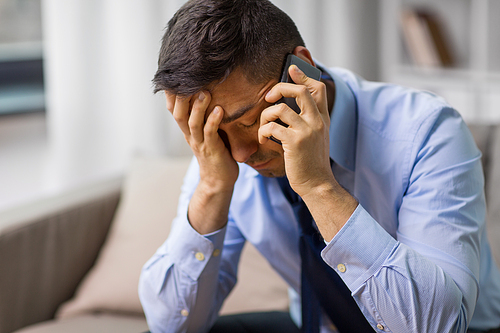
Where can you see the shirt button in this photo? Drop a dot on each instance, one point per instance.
(216, 253)
(184, 312)
(200, 256)
(341, 268)
(380, 326)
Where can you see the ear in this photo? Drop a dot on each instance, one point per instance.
(304, 54)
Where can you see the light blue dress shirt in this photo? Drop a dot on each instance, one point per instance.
(415, 250)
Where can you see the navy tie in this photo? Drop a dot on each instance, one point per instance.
(321, 287)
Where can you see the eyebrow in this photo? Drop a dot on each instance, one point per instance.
(239, 113)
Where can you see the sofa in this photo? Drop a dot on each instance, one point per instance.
(71, 263)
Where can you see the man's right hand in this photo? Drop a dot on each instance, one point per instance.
(209, 206)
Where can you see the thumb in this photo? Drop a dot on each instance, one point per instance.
(298, 76)
(317, 89)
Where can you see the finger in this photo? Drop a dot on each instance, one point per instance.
(170, 101)
(282, 112)
(196, 120)
(299, 92)
(317, 89)
(274, 130)
(299, 77)
(181, 113)
(212, 126)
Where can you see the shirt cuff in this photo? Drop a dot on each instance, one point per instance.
(190, 250)
(359, 249)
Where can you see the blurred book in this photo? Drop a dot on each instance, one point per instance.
(425, 39)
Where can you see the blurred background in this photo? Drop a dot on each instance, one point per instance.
(76, 102)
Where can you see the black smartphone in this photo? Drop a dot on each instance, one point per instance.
(308, 70)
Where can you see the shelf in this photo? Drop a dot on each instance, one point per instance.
(446, 75)
(26, 98)
(472, 85)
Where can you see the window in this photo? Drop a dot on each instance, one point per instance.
(21, 60)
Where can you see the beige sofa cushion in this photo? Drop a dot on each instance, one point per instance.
(140, 226)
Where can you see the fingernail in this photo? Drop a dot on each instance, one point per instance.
(201, 96)
(296, 69)
(216, 110)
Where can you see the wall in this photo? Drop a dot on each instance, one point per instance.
(100, 57)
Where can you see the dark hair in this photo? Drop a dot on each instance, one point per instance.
(207, 39)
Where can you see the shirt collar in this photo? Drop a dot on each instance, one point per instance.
(343, 124)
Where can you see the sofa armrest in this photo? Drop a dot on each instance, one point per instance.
(493, 193)
(487, 138)
(44, 257)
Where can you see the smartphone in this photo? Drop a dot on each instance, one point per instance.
(308, 70)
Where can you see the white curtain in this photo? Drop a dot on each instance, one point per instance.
(100, 56)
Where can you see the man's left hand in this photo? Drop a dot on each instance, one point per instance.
(306, 150)
(306, 139)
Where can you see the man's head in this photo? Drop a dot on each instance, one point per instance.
(207, 39)
(234, 50)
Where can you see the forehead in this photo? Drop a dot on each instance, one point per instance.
(236, 94)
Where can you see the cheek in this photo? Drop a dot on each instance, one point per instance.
(238, 132)
(237, 138)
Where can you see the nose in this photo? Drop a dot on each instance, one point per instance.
(242, 148)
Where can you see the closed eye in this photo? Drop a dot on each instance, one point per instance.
(253, 124)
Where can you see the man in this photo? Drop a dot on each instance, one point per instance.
(390, 175)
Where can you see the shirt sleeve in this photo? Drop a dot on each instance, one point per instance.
(426, 280)
(183, 285)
